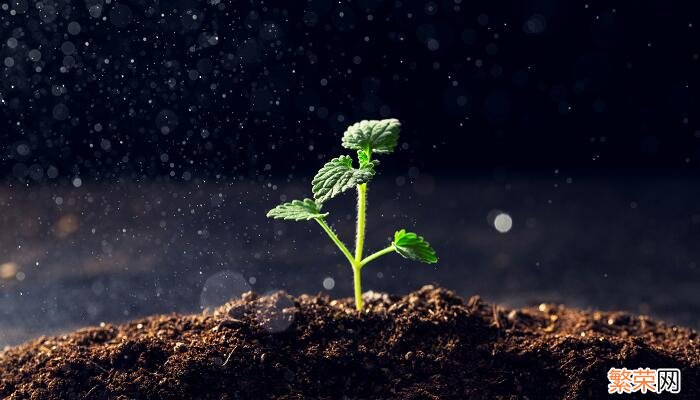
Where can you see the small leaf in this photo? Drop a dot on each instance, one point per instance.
(413, 247)
(337, 176)
(377, 136)
(363, 157)
(297, 210)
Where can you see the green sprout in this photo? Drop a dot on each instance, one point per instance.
(339, 175)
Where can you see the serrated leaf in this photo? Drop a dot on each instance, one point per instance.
(379, 136)
(337, 176)
(297, 210)
(414, 247)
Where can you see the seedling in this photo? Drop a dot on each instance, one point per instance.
(339, 175)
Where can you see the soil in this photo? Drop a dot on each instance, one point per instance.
(429, 344)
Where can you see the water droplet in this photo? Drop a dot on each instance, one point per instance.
(503, 222)
(328, 283)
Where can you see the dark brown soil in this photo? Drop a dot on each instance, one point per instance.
(430, 344)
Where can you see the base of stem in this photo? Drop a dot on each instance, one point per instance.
(358, 288)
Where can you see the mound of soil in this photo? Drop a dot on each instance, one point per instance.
(430, 344)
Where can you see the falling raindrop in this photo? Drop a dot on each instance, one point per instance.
(503, 223)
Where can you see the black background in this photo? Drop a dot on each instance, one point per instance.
(526, 84)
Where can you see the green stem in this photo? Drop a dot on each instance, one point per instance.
(359, 243)
(376, 255)
(358, 288)
(336, 240)
(361, 210)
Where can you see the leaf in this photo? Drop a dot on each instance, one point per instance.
(413, 247)
(297, 210)
(337, 176)
(363, 157)
(378, 136)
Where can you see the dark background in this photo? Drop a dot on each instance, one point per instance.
(214, 89)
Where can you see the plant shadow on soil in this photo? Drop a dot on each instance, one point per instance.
(429, 344)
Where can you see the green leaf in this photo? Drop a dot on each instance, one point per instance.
(363, 157)
(413, 247)
(337, 176)
(297, 210)
(377, 136)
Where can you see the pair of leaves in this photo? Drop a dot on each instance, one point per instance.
(337, 176)
(407, 244)
(414, 247)
(367, 137)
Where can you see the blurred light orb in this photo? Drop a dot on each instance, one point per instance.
(8, 270)
(329, 283)
(503, 223)
(222, 287)
(277, 313)
(74, 28)
(34, 55)
(535, 25)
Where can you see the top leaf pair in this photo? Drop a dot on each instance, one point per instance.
(339, 175)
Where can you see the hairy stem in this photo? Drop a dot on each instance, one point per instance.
(376, 255)
(336, 240)
(361, 210)
(359, 242)
(358, 287)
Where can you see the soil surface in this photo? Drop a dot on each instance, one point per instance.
(430, 344)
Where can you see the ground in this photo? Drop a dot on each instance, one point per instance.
(429, 344)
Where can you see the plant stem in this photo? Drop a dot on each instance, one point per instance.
(361, 209)
(376, 255)
(355, 264)
(336, 240)
(358, 287)
(359, 243)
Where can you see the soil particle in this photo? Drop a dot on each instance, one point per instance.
(430, 344)
(180, 347)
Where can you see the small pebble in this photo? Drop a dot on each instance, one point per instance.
(513, 315)
(180, 347)
(248, 296)
(236, 312)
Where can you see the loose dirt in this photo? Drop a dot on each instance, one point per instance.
(429, 344)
